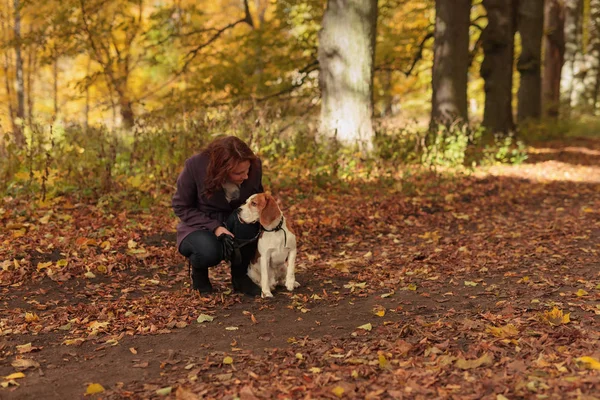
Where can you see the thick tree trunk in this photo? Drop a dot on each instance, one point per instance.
(346, 56)
(530, 23)
(497, 65)
(19, 81)
(450, 62)
(6, 69)
(586, 64)
(579, 58)
(554, 51)
(593, 58)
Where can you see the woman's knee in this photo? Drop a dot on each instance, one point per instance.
(202, 248)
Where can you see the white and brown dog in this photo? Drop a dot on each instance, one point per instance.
(274, 263)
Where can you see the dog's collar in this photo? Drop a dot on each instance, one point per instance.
(279, 227)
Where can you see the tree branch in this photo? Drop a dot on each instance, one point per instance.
(419, 54)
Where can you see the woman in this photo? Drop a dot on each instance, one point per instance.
(212, 185)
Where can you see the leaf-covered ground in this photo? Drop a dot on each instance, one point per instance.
(480, 286)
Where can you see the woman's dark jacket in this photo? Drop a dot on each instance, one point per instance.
(195, 210)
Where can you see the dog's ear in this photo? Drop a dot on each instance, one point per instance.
(270, 212)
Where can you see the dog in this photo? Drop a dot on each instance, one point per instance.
(275, 259)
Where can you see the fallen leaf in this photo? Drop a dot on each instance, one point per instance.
(338, 391)
(486, 359)
(21, 364)
(588, 362)
(16, 375)
(227, 360)
(25, 348)
(204, 318)
(232, 328)
(556, 317)
(133, 350)
(184, 394)
(366, 327)
(164, 391)
(470, 283)
(383, 362)
(94, 388)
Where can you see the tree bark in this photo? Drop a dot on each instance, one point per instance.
(55, 84)
(593, 59)
(573, 49)
(450, 62)
(6, 69)
(19, 81)
(31, 68)
(497, 65)
(530, 23)
(586, 63)
(346, 57)
(554, 51)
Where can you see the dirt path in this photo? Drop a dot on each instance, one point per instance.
(472, 287)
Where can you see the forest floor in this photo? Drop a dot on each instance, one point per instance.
(474, 286)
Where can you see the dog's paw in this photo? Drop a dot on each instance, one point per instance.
(266, 294)
(292, 285)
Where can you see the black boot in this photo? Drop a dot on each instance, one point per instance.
(200, 281)
(242, 283)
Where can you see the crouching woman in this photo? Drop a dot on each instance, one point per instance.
(212, 185)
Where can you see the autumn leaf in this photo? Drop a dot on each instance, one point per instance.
(204, 318)
(21, 364)
(588, 362)
(94, 388)
(227, 360)
(164, 391)
(338, 391)
(16, 375)
(31, 317)
(366, 327)
(383, 362)
(556, 317)
(485, 359)
(505, 331)
(379, 311)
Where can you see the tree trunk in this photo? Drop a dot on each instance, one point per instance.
(346, 57)
(6, 69)
(554, 51)
(31, 67)
(19, 82)
(450, 62)
(497, 65)
(55, 84)
(573, 30)
(593, 58)
(86, 111)
(530, 23)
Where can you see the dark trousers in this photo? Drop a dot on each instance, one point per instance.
(204, 250)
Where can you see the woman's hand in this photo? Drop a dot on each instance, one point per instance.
(222, 230)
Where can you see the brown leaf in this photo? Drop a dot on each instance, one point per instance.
(21, 364)
(184, 394)
(485, 359)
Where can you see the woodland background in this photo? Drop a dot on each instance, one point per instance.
(438, 160)
(121, 92)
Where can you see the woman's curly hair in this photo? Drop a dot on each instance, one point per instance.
(224, 154)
